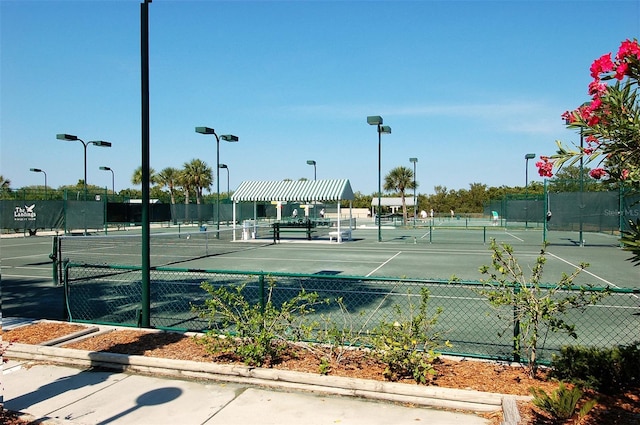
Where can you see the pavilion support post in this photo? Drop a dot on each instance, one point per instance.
(339, 236)
(234, 220)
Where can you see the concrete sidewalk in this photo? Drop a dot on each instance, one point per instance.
(72, 395)
(67, 386)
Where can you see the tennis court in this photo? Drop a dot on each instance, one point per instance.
(411, 258)
(416, 253)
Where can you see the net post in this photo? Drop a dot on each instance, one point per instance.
(54, 259)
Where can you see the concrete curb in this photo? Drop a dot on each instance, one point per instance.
(446, 398)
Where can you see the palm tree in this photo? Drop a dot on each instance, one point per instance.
(185, 183)
(4, 184)
(137, 176)
(198, 175)
(169, 177)
(398, 180)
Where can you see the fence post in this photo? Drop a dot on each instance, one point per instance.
(621, 210)
(546, 214)
(65, 298)
(104, 210)
(261, 286)
(516, 325)
(430, 233)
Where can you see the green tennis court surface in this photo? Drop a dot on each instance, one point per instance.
(429, 252)
(425, 253)
(420, 253)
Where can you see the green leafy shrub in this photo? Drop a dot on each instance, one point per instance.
(325, 366)
(536, 307)
(562, 403)
(606, 370)
(406, 345)
(255, 332)
(338, 333)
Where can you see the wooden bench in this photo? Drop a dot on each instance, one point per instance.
(305, 226)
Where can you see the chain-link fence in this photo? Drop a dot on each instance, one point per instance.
(112, 295)
(569, 206)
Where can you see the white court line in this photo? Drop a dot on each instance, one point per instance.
(22, 276)
(25, 268)
(425, 235)
(514, 236)
(584, 270)
(24, 256)
(383, 264)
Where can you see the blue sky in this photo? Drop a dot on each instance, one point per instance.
(468, 87)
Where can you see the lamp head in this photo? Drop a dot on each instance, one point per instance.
(101, 143)
(205, 130)
(530, 156)
(311, 162)
(35, 170)
(374, 120)
(385, 129)
(223, 166)
(105, 168)
(67, 137)
(414, 160)
(229, 138)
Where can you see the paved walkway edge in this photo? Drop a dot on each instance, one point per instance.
(448, 398)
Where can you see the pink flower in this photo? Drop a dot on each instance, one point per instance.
(621, 70)
(625, 174)
(568, 117)
(627, 49)
(597, 173)
(596, 88)
(600, 65)
(587, 112)
(545, 167)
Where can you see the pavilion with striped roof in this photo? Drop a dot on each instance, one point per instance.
(301, 191)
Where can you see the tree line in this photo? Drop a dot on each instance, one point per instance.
(189, 183)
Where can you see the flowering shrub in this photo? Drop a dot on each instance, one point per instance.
(610, 122)
(610, 125)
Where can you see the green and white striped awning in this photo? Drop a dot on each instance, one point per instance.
(293, 191)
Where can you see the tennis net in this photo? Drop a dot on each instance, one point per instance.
(164, 248)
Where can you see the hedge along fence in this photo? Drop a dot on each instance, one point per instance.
(103, 294)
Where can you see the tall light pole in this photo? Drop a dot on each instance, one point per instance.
(377, 121)
(312, 162)
(527, 157)
(145, 303)
(113, 179)
(72, 138)
(226, 138)
(38, 170)
(225, 166)
(581, 206)
(415, 203)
